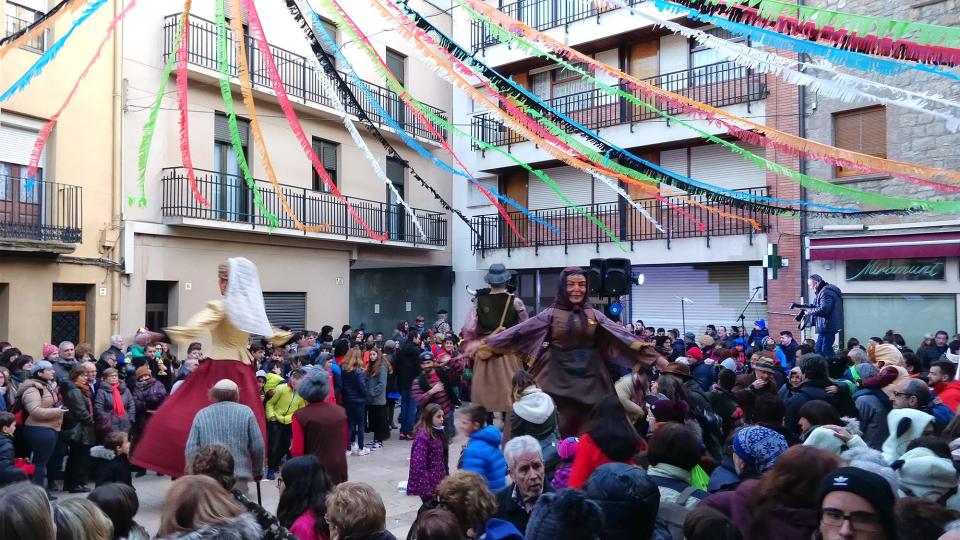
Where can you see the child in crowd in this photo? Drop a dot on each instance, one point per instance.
(567, 449)
(111, 461)
(8, 472)
(482, 454)
(428, 455)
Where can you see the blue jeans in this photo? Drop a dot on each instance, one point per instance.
(356, 413)
(42, 441)
(408, 412)
(824, 345)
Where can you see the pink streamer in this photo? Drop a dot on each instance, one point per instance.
(47, 128)
(182, 106)
(256, 30)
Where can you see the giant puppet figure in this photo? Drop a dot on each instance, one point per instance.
(493, 311)
(576, 352)
(230, 322)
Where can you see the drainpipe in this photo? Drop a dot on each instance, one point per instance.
(804, 224)
(116, 206)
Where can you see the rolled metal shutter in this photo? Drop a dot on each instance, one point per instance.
(675, 161)
(718, 293)
(221, 130)
(575, 184)
(286, 309)
(16, 145)
(717, 165)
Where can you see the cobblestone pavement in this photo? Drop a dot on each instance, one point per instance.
(382, 469)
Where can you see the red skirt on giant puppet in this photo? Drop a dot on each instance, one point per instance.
(162, 448)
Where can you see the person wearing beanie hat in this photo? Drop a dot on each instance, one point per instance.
(873, 405)
(903, 426)
(567, 451)
(320, 427)
(50, 352)
(729, 363)
(855, 503)
(666, 410)
(925, 474)
(756, 449)
(148, 395)
(833, 439)
(758, 334)
(43, 414)
(569, 515)
(628, 500)
(826, 312)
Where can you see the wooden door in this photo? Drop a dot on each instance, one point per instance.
(643, 62)
(513, 184)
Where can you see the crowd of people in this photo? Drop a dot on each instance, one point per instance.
(727, 434)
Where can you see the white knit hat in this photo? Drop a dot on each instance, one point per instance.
(226, 384)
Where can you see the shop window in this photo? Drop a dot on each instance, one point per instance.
(863, 131)
(910, 315)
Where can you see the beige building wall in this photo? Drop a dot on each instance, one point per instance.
(80, 153)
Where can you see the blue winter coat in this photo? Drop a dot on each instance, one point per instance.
(827, 312)
(483, 456)
(354, 387)
(704, 374)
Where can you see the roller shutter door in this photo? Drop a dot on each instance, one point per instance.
(718, 293)
(675, 161)
(717, 165)
(575, 184)
(16, 145)
(286, 309)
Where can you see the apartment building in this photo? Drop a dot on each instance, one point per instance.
(896, 272)
(334, 276)
(59, 256)
(718, 269)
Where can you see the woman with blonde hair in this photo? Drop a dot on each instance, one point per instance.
(230, 322)
(80, 519)
(355, 511)
(25, 512)
(198, 504)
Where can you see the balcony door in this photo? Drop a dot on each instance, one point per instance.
(515, 184)
(21, 211)
(397, 64)
(228, 194)
(396, 216)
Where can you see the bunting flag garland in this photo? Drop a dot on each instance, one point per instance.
(770, 38)
(741, 128)
(38, 26)
(184, 113)
(256, 31)
(146, 138)
(50, 53)
(227, 94)
(47, 128)
(757, 160)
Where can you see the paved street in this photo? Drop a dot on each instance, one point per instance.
(382, 469)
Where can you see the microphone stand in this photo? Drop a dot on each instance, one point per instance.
(741, 318)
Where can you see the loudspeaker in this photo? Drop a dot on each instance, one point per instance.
(595, 277)
(617, 277)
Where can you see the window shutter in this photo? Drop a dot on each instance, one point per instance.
(328, 151)
(286, 309)
(395, 171)
(864, 131)
(221, 130)
(396, 63)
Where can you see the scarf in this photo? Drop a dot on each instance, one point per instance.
(118, 409)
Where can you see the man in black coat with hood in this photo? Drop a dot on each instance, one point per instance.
(827, 313)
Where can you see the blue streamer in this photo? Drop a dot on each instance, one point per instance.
(763, 36)
(407, 139)
(50, 53)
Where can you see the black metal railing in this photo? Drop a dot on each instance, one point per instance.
(541, 15)
(13, 25)
(45, 211)
(718, 85)
(300, 80)
(622, 219)
(229, 199)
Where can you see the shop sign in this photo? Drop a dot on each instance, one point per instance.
(896, 269)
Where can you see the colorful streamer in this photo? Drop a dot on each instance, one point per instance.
(757, 160)
(256, 31)
(753, 133)
(182, 105)
(50, 53)
(47, 128)
(146, 138)
(227, 95)
(38, 26)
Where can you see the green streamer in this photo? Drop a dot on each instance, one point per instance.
(227, 94)
(146, 139)
(817, 184)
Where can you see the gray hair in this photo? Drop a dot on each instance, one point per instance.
(315, 385)
(81, 519)
(858, 355)
(115, 340)
(63, 344)
(518, 446)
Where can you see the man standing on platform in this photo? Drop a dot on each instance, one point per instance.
(827, 313)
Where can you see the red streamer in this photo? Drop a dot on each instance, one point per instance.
(182, 105)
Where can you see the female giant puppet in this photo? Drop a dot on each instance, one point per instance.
(575, 351)
(230, 322)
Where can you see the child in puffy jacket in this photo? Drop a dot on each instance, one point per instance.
(8, 472)
(428, 455)
(111, 461)
(567, 449)
(482, 454)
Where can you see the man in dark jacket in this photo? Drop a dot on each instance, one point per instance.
(408, 367)
(525, 466)
(789, 347)
(816, 385)
(932, 352)
(827, 313)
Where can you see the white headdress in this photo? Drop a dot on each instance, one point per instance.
(244, 301)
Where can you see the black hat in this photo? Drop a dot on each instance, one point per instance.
(441, 312)
(871, 486)
(498, 274)
(426, 356)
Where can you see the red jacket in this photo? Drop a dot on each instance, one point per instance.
(949, 394)
(589, 457)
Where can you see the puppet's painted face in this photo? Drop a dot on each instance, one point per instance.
(576, 288)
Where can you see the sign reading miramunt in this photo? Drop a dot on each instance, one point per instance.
(896, 269)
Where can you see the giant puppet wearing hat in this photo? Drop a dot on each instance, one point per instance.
(493, 311)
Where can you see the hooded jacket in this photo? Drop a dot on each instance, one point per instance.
(533, 414)
(827, 312)
(628, 499)
(482, 455)
(926, 475)
(109, 467)
(904, 426)
(242, 527)
(40, 405)
(783, 523)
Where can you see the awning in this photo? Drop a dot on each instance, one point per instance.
(904, 246)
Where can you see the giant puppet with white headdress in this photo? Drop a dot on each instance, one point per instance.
(230, 322)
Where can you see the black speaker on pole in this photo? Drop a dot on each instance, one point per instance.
(595, 277)
(617, 277)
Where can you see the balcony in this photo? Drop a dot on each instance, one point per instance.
(17, 18)
(541, 15)
(718, 85)
(44, 218)
(300, 80)
(231, 206)
(620, 218)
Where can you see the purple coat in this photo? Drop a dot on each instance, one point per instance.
(428, 464)
(782, 523)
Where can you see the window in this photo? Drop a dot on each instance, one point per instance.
(707, 65)
(68, 313)
(327, 152)
(397, 64)
(863, 131)
(396, 216)
(158, 303)
(19, 17)
(227, 192)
